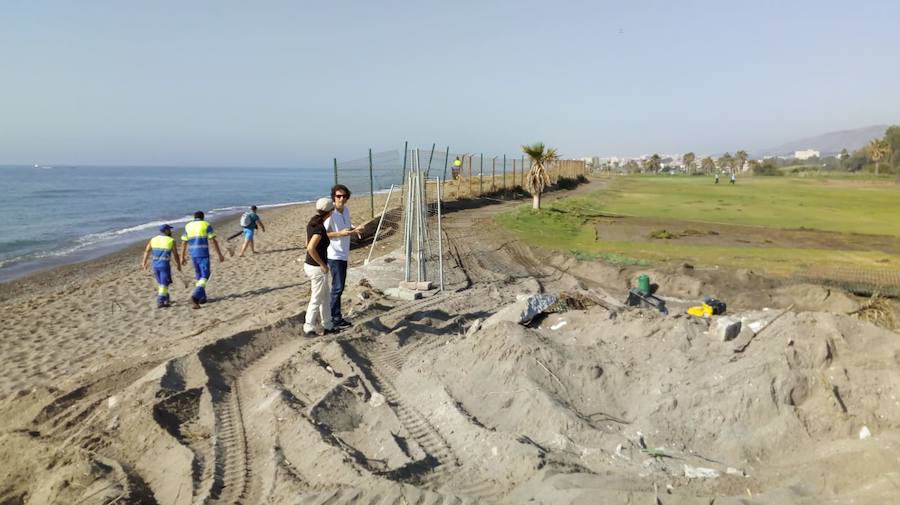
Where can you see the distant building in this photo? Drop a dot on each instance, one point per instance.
(805, 155)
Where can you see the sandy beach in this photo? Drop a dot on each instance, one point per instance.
(446, 399)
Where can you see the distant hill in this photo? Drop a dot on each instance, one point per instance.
(829, 143)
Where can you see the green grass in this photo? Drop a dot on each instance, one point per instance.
(776, 202)
(865, 207)
(609, 257)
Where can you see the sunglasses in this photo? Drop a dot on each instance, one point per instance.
(340, 195)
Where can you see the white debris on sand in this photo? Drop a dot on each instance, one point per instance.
(696, 472)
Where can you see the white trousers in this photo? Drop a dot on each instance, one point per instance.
(319, 308)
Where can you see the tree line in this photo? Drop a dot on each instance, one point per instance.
(881, 155)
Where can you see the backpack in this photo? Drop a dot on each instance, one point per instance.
(246, 220)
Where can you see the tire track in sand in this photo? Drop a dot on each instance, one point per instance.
(442, 465)
(226, 362)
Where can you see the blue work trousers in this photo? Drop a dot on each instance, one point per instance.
(202, 273)
(338, 278)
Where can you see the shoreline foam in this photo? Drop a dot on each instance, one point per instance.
(97, 245)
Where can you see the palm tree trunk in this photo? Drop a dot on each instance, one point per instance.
(876, 168)
(536, 201)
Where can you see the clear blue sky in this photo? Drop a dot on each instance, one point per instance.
(296, 83)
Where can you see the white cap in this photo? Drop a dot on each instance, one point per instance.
(324, 204)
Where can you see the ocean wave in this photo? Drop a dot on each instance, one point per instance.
(102, 241)
(221, 210)
(241, 208)
(93, 238)
(37, 255)
(59, 192)
(285, 204)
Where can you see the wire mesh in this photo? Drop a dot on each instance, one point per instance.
(386, 169)
(476, 174)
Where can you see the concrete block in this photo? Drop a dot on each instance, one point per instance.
(726, 328)
(416, 286)
(409, 295)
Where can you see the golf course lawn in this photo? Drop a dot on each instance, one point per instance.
(851, 211)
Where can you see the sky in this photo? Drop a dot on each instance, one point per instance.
(296, 83)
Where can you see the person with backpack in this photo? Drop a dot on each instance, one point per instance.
(249, 222)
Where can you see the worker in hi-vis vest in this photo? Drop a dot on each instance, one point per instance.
(197, 236)
(162, 249)
(457, 167)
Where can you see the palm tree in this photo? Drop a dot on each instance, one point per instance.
(742, 156)
(708, 165)
(688, 160)
(725, 161)
(878, 150)
(654, 163)
(537, 178)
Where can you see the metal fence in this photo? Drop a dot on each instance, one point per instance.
(477, 175)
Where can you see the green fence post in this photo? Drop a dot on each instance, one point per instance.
(446, 162)
(405, 150)
(469, 180)
(430, 157)
(523, 170)
(481, 176)
(371, 185)
(335, 172)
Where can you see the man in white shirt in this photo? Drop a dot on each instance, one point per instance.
(339, 229)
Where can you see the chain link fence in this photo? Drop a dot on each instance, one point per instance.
(465, 174)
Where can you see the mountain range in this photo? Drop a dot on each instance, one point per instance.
(828, 143)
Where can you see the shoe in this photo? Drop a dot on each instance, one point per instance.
(195, 302)
(342, 323)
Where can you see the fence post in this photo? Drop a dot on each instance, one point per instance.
(493, 174)
(523, 170)
(335, 172)
(430, 157)
(514, 176)
(371, 185)
(446, 162)
(405, 150)
(469, 181)
(504, 175)
(481, 176)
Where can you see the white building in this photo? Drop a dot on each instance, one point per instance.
(805, 155)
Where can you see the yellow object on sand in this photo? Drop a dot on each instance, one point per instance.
(701, 311)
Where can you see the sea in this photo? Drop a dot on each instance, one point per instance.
(57, 215)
